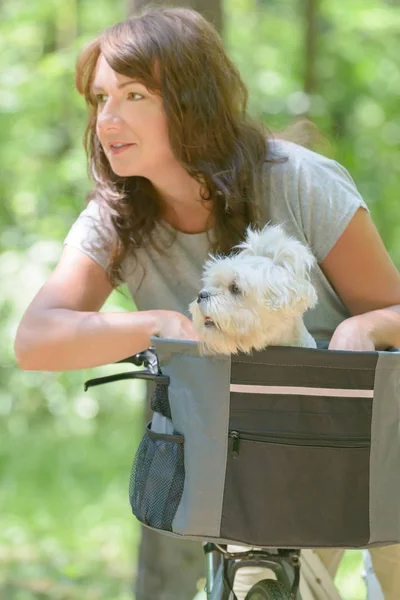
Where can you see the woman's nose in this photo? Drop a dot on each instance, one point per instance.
(108, 117)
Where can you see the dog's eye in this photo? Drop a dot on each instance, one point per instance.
(234, 288)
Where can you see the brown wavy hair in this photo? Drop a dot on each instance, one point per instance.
(175, 52)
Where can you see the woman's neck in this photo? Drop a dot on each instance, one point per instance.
(182, 205)
(193, 219)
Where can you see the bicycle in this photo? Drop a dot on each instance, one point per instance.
(280, 588)
(222, 564)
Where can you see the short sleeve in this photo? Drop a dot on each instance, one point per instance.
(328, 199)
(89, 234)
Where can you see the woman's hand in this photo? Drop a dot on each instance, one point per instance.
(174, 325)
(352, 334)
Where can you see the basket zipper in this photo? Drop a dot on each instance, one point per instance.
(280, 438)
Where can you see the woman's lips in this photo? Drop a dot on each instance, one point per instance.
(118, 150)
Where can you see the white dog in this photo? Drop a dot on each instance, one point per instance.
(256, 297)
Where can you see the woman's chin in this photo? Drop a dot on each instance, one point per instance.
(126, 171)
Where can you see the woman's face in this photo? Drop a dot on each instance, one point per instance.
(131, 125)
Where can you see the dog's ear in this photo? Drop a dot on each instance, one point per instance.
(284, 250)
(291, 296)
(295, 293)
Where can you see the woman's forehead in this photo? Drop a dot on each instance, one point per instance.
(104, 75)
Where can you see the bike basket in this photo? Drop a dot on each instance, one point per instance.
(287, 447)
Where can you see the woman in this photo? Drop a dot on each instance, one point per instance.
(180, 170)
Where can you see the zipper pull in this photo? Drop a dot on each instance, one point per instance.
(234, 443)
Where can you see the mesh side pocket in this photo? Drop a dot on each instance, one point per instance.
(157, 479)
(160, 401)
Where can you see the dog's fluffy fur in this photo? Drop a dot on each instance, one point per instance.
(256, 297)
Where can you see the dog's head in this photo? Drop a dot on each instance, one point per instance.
(248, 296)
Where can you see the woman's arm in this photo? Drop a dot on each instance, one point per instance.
(63, 330)
(364, 277)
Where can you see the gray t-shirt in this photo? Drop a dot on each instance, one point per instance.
(313, 197)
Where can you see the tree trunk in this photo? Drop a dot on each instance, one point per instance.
(170, 568)
(212, 10)
(311, 20)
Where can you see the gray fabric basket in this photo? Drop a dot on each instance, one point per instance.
(288, 447)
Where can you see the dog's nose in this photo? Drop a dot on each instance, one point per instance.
(202, 296)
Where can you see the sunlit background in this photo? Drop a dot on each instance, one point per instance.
(66, 531)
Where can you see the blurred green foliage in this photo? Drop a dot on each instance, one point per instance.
(355, 103)
(65, 525)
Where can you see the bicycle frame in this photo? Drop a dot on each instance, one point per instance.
(218, 559)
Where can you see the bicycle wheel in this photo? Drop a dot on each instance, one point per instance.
(268, 589)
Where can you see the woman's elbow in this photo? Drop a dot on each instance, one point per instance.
(23, 349)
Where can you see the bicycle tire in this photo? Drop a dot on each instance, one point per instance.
(268, 589)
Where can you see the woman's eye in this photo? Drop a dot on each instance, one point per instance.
(100, 98)
(135, 96)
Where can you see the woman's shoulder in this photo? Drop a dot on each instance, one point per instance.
(313, 195)
(91, 232)
(289, 157)
(301, 173)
